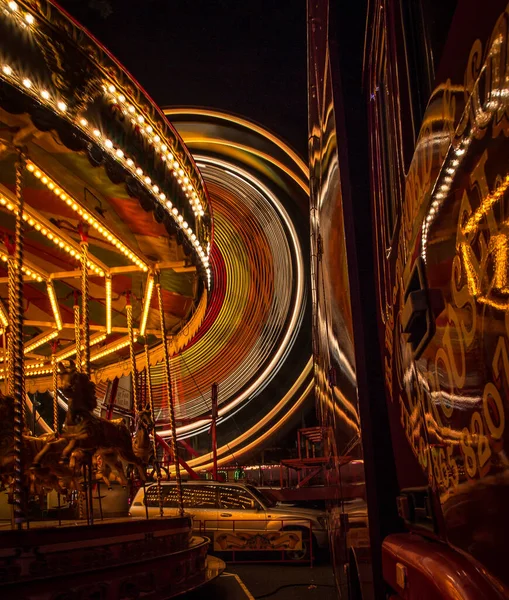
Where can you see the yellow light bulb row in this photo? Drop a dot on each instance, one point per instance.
(93, 341)
(57, 240)
(137, 172)
(41, 94)
(32, 373)
(40, 341)
(39, 372)
(146, 304)
(171, 162)
(44, 96)
(110, 350)
(27, 18)
(86, 215)
(27, 270)
(442, 190)
(107, 285)
(28, 367)
(54, 305)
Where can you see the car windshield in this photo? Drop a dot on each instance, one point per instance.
(265, 500)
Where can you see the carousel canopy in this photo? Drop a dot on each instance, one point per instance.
(104, 166)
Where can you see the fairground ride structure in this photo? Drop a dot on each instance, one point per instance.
(106, 234)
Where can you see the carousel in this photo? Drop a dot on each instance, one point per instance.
(105, 237)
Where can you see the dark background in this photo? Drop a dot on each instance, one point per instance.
(241, 56)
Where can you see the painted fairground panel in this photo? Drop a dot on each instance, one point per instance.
(447, 303)
(335, 378)
(249, 541)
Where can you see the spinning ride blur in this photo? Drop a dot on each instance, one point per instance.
(430, 335)
(105, 236)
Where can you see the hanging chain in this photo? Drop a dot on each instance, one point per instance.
(154, 441)
(16, 354)
(171, 407)
(84, 306)
(134, 368)
(77, 332)
(54, 365)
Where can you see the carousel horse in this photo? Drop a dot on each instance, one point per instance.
(51, 475)
(142, 445)
(106, 466)
(89, 433)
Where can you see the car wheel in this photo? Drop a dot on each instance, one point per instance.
(307, 545)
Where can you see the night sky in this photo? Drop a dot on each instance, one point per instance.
(243, 56)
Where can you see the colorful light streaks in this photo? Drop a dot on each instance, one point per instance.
(258, 256)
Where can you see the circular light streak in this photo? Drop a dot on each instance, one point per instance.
(259, 257)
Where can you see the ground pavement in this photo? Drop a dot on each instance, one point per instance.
(271, 581)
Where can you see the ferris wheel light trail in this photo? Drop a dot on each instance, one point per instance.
(260, 199)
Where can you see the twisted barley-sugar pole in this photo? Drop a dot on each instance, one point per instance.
(84, 300)
(154, 442)
(77, 330)
(54, 364)
(16, 354)
(171, 406)
(134, 368)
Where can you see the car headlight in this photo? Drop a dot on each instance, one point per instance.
(323, 522)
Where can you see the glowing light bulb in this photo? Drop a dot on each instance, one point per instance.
(45, 94)
(27, 83)
(61, 106)
(7, 70)
(29, 19)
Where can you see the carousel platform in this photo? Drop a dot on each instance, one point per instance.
(113, 559)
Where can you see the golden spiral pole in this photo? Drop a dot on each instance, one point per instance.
(16, 354)
(54, 365)
(6, 358)
(77, 331)
(134, 368)
(154, 442)
(171, 407)
(84, 305)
